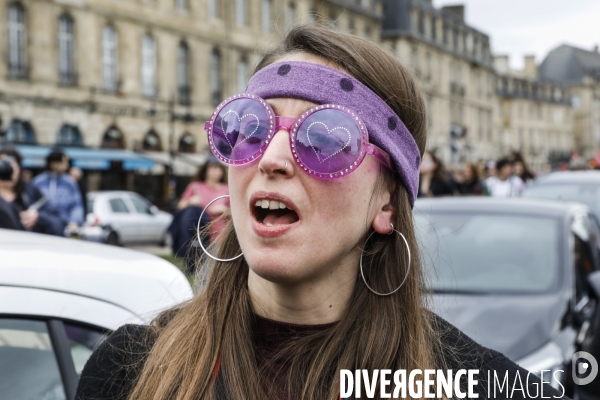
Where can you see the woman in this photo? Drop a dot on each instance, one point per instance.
(26, 202)
(434, 181)
(470, 183)
(281, 319)
(521, 169)
(209, 183)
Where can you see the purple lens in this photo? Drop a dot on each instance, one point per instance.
(240, 129)
(329, 141)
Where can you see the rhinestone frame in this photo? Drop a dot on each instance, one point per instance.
(366, 147)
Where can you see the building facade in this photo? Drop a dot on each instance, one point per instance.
(453, 64)
(579, 70)
(140, 75)
(536, 115)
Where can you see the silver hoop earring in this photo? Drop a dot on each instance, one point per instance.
(407, 271)
(200, 239)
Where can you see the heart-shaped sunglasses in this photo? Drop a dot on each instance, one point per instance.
(327, 141)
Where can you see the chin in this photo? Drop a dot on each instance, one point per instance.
(276, 268)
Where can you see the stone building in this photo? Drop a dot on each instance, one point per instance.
(138, 75)
(536, 116)
(453, 64)
(579, 70)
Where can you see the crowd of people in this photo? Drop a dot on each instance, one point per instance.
(51, 203)
(506, 177)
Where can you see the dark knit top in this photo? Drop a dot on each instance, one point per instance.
(111, 371)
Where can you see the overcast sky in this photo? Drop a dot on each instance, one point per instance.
(520, 27)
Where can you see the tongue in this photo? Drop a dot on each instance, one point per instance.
(273, 218)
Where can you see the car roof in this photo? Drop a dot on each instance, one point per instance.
(137, 282)
(502, 205)
(570, 177)
(110, 193)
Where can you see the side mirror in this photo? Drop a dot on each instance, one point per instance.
(594, 281)
(153, 210)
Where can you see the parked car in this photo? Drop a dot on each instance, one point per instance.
(520, 276)
(59, 296)
(580, 186)
(121, 217)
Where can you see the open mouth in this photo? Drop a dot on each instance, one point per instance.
(273, 212)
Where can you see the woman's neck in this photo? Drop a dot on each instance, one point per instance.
(214, 185)
(318, 301)
(6, 191)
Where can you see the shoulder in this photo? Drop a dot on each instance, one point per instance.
(494, 368)
(40, 178)
(113, 367)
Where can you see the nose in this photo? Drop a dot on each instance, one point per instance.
(277, 160)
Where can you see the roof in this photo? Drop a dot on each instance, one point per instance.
(134, 281)
(570, 177)
(569, 64)
(498, 205)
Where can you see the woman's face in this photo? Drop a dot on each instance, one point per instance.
(468, 172)
(214, 174)
(329, 217)
(15, 167)
(518, 168)
(427, 164)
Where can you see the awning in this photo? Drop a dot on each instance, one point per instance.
(182, 165)
(93, 159)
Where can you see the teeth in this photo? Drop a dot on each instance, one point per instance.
(270, 204)
(268, 224)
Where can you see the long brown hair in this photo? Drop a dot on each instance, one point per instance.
(374, 332)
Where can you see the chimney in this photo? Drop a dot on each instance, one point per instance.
(457, 10)
(501, 65)
(530, 70)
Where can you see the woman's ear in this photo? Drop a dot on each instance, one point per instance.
(386, 213)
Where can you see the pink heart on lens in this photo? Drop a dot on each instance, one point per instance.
(329, 131)
(240, 121)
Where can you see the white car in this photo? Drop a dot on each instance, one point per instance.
(121, 217)
(59, 297)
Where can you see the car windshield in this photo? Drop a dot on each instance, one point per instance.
(585, 193)
(489, 253)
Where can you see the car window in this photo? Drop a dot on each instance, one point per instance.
(90, 205)
(118, 206)
(141, 205)
(582, 256)
(28, 366)
(490, 253)
(582, 193)
(82, 342)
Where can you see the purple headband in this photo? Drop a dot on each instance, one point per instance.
(324, 85)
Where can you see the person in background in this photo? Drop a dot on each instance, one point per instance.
(505, 183)
(77, 174)
(60, 189)
(471, 183)
(27, 204)
(434, 181)
(521, 168)
(209, 183)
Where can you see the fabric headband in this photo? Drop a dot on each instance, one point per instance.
(324, 85)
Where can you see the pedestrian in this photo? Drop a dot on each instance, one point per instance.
(77, 174)
(315, 274)
(521, 169)
(60, 189)
(505, 183)
(209, 183)
(471, 183)
(434, 180)
(26, 203)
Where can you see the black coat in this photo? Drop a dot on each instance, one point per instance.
(112, 368)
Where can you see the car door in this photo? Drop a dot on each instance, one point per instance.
(122, 218)
(150, 224)
(43, 358)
